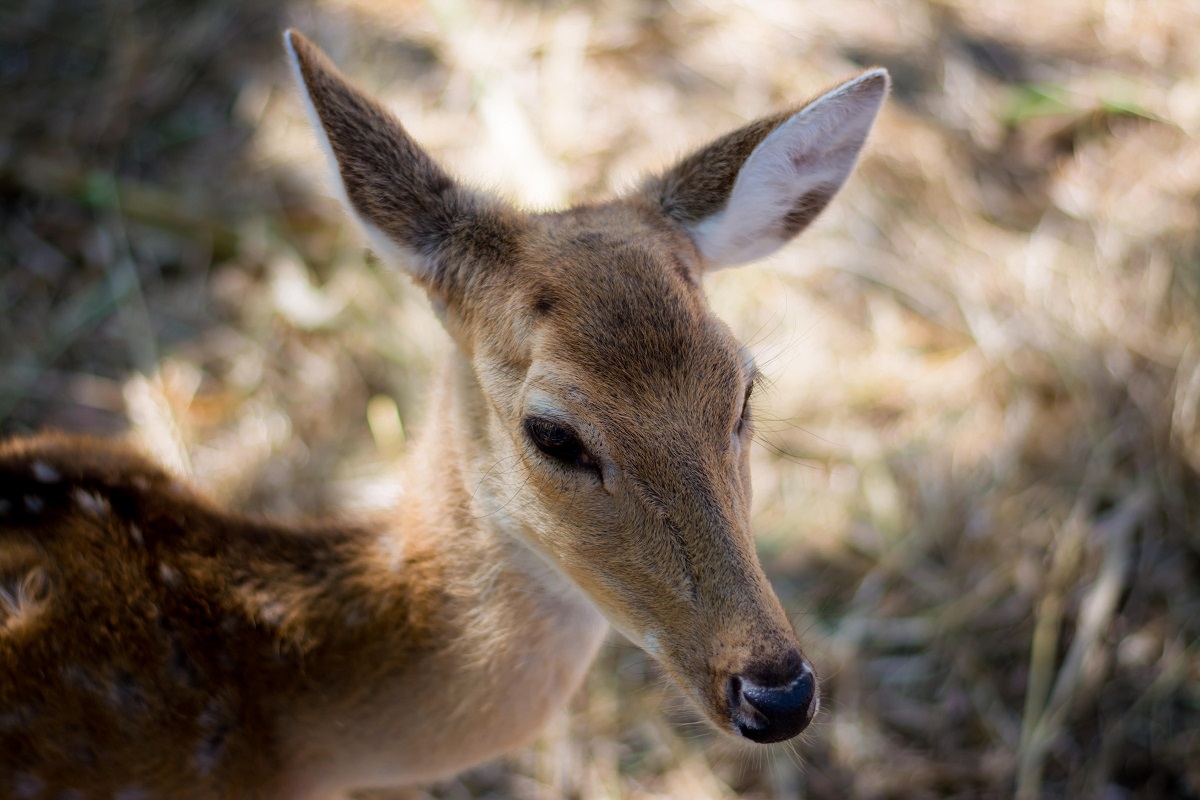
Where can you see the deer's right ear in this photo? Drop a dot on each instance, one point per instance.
(749, 192)
(416, 216)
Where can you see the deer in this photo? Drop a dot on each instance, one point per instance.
(586, 465)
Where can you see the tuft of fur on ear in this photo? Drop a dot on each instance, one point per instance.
(750, 192)
(414, 213)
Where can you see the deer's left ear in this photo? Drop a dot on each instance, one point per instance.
(749, 192)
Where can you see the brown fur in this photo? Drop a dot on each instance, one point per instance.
(153, 645)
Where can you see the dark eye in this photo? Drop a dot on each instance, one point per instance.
(558, 442)
(744, 419)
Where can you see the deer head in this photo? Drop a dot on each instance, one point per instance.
(614, 419)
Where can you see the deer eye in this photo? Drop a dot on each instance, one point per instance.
(558, 442)
(744, 418)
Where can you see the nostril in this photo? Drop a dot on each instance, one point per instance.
(772, 713)
(789, 699)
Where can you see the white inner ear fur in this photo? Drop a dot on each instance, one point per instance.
(813, 151)
(388, 250)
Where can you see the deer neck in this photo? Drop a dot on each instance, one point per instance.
(512, 634)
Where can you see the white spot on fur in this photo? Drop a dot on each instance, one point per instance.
(135, 534)
(45, 473)
(261, 605)
(216, 724)
(91, 502)
(168, 574)
(272, 612)
(650, 644)
(22, 597)
(34, 504)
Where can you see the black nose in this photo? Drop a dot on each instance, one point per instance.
(767, 712)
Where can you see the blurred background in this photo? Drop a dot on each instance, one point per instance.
(977, 485)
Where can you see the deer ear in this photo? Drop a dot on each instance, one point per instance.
(750, 192)
(415, 215)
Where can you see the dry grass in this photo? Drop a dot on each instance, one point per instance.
(980, 490)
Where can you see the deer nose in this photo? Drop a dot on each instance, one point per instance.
(766, 710)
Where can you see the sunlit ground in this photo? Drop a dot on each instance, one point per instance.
(977, 483)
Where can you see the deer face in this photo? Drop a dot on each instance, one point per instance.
(629, 433)
(618, 420)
